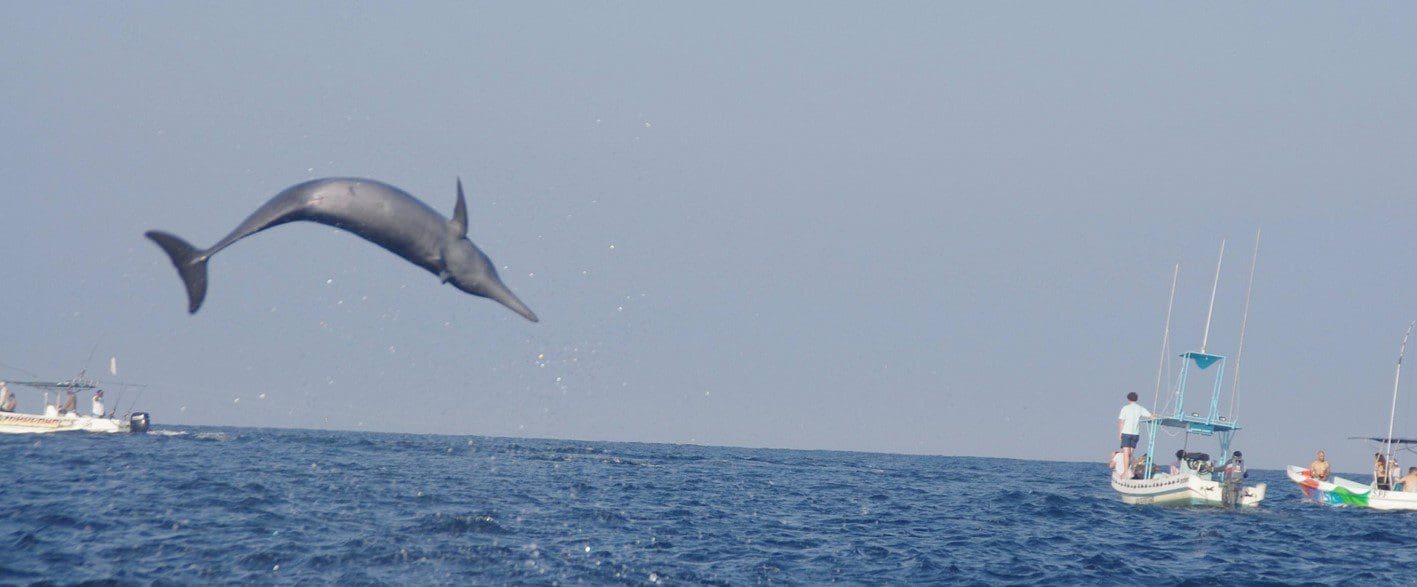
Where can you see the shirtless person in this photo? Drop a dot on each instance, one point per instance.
(1382, 473)
(70, 405)
(1319, 468)
(1409, 483)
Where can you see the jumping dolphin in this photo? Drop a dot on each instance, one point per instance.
(379, 213)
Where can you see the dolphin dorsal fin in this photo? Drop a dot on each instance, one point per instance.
(459, 214)
(459, 222)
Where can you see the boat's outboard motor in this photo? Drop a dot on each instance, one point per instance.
(1230, 491)
(138, 422)
(1233, 481)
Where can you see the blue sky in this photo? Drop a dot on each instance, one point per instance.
(923, 227)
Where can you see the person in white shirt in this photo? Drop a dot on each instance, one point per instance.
(1119, 466)
(1180, 464)
(7, 399)
(98, 404)
(1129, 425)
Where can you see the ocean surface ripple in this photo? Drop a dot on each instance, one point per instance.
(224, 505)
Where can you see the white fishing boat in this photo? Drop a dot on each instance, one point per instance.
(63, 415)
(1380, 494)
(1194, 479)
(1192, 486)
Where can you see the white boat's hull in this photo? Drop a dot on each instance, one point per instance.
(1182, 490)
(1340, 492)
(1392, 500)
(17, 423)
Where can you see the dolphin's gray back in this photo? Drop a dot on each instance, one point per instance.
(376, 211)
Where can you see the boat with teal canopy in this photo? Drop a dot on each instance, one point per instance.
(1194, 478)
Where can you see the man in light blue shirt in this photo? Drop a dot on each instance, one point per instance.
(1129, 425)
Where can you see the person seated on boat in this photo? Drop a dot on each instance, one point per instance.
(1319, 468)
(1119, 466)
(7, 399)
(1382, 475)
(1408, 483)
(98, 404)
(1186, 461)
(1129, 425)
(70, 405)
(1139, 467)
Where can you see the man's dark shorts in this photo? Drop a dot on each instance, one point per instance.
(1130, 440)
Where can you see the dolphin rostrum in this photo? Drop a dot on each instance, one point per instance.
(379, 213)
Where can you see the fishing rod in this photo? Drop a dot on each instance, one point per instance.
(116, 402)
(1244, 320)
(14, 368)
(135, 401)
(1165, 338)
(1210, 312)
(83, 371)
(1396, 376)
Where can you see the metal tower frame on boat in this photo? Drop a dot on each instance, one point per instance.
(1212, 424)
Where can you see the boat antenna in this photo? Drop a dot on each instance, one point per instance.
(1244, 320)
(26, 372)
(133, 405)
(1387, 442)
(1165, 336)
(92, 349)
(1206, 337)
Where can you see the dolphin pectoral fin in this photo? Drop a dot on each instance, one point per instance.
(459, 222)
(191, 266)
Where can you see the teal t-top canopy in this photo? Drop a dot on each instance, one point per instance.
(1202, 360)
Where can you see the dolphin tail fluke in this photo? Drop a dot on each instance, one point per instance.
(191, 265)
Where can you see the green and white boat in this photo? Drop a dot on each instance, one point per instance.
(1340, 492)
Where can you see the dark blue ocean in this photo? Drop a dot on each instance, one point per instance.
(219, 505)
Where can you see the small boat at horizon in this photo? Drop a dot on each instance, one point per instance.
(65, 417)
